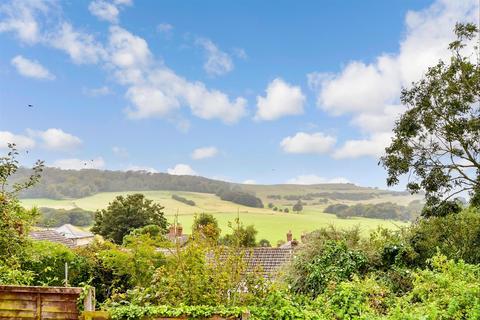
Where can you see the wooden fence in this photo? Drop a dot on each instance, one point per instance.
(39, 303)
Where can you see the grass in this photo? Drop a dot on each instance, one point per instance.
(271, 225)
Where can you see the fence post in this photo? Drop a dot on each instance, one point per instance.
(89, 302)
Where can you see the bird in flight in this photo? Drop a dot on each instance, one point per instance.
(30, 105)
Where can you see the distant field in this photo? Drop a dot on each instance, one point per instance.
(270, 224)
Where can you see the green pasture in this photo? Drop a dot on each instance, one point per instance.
(271, 225)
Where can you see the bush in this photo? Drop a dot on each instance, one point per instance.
(457, 236)
(328, 256)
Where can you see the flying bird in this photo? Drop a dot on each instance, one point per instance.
(30, 105)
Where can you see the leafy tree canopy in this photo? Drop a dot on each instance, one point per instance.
(125, 214)
(437, 140)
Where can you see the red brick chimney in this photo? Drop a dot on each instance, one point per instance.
(289, 236)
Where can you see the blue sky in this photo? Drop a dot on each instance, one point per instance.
(255, 91)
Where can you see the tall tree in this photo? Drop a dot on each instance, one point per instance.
(125, 214)
(437, 140)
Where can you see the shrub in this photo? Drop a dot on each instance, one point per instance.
(457, 236)
(323, 261)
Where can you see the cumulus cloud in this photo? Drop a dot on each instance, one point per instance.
(56, 139)
(182, 170)
(156, 91)
(314, 179)
(80, 46)
(203, 153)
(281, 99)
(249, 181)
(79, 164)
(130, 61)
(370, 91)
(302, 142)
(21, 141)
(31, 69)
(217, 61)
(107, 10)
(20, 18)
(104, 10)
(374, 146)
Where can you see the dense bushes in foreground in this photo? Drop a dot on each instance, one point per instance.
(446, 290)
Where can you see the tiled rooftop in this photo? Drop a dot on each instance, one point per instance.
(51, 235)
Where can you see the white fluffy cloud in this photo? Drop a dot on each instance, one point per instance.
(129, 59)
(80, 46)
(79, 164)
(182, 170)
(314, 179)
(203, 153)
(31, 69)
(56, 139)
(370, 91)
(217, 61)
(374, 146)
(107, 10)
(156, 91)
(281, 99)
(20, 17)
(303, 142)
(104, 10)
(21, 141)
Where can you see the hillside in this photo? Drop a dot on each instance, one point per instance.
(72, 184)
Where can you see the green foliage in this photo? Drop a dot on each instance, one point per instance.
(15, 221)
(384, 210)
(240, 197)
(47, 262)
(241, 236)
(65, 184)
(329, 256)
(183, 200)
(50, 217)
(456, 236)
(200, 274)
(125, 214)
(436, 139)
(450, 290)
(134, 312)
(205, 225)
(137, 261)
(297, 207)
(15, 276)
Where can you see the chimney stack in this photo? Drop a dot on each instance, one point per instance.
(289, 236)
